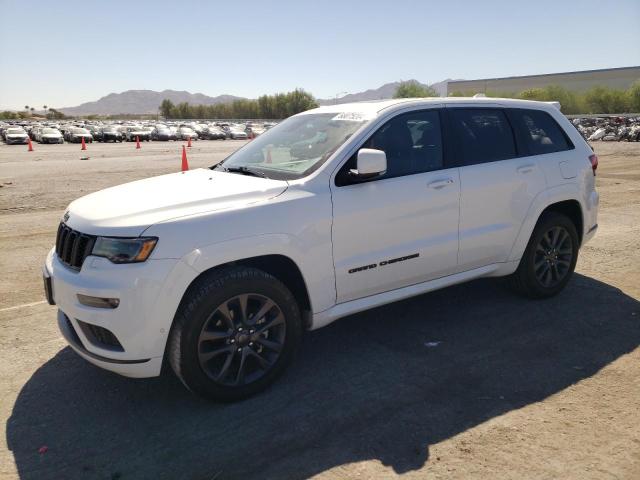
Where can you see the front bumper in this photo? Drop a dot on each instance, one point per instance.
(149, 367)
(17, 141)
(149, 295)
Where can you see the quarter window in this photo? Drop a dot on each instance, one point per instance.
(484, 135)
(540, 132)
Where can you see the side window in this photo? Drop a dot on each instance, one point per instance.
(540, 132)
(411, 141)
(483, 135)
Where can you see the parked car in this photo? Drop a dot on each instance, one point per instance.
(184, 133)
(16, 135)
(94, 130)
(218, 272)
(76, 134)
(50, 135)
(254, 130)
(32, 131)
(237, 133)
(111, 133)
(137, 132)
(163, 133)
(212, 133)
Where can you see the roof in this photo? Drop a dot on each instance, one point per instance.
(373, 107)
(546, 74)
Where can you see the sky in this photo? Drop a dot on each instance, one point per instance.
(63, 53)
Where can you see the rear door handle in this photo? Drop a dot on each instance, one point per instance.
(438, 184)
(526, 168)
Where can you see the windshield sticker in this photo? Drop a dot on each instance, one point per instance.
(353, 116)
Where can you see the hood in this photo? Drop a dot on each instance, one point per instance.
(129, 209)
(16, 135)
(51, 135)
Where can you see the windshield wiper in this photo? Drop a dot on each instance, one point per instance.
(244, 170)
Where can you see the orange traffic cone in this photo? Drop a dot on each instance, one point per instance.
(30, 148)
(189, 141)
(185, 164)
(268, 156)
(84, 145)
(137, 142)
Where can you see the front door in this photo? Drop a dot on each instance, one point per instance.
(401, 228)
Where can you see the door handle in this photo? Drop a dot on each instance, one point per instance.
(526, 168)
(438, 184)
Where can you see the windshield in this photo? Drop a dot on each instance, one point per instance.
(49, 130)
(15, 130)
(79, 130)
(297, 146)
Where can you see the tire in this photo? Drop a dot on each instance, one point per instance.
(543, 255)
(199, 363)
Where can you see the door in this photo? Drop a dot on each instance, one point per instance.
(498, 185)
(401, 228)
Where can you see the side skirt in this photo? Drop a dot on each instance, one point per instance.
(324, 318)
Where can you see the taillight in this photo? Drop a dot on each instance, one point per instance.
(594, 163)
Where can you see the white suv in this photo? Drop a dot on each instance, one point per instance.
(334, 211)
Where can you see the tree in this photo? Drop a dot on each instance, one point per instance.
(166, 108)
(413, 89)
(607, 100)
(634, 96)
(45, 110)
(56, 115)
(280, 105)
(26, 107)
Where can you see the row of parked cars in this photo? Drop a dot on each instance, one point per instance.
(74, 132)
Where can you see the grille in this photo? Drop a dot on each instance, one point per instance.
(101, 337)
(73, 247)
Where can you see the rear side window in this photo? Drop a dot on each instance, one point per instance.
(484, 135)
(540, 133)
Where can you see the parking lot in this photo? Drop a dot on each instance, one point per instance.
(467, 382)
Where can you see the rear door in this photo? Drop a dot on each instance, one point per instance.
(498, 184)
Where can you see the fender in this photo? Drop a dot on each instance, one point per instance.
(559, 193)
(320, 285)
(321, 289)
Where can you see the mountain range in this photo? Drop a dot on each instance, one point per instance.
(142, 101)
(148, 101)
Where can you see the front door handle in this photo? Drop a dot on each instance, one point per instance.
(526, 168)
(438, 184)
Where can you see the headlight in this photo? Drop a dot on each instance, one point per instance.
(124, 250)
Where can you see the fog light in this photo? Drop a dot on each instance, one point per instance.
(98, 302)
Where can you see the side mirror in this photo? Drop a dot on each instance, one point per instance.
(371, 163)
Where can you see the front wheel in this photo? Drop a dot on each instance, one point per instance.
(549, 259)
(235, 332)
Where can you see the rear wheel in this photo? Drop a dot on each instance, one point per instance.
(235, 332)
(549, 259)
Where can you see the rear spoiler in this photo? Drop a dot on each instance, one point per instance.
(555, 104)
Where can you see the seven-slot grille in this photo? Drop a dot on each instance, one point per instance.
(73, 247)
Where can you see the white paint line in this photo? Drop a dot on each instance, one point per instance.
(24, 305)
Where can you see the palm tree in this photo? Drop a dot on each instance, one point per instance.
(26, 107)
(45, 109)
(32, 110)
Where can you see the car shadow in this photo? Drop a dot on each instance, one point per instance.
(383, 385)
